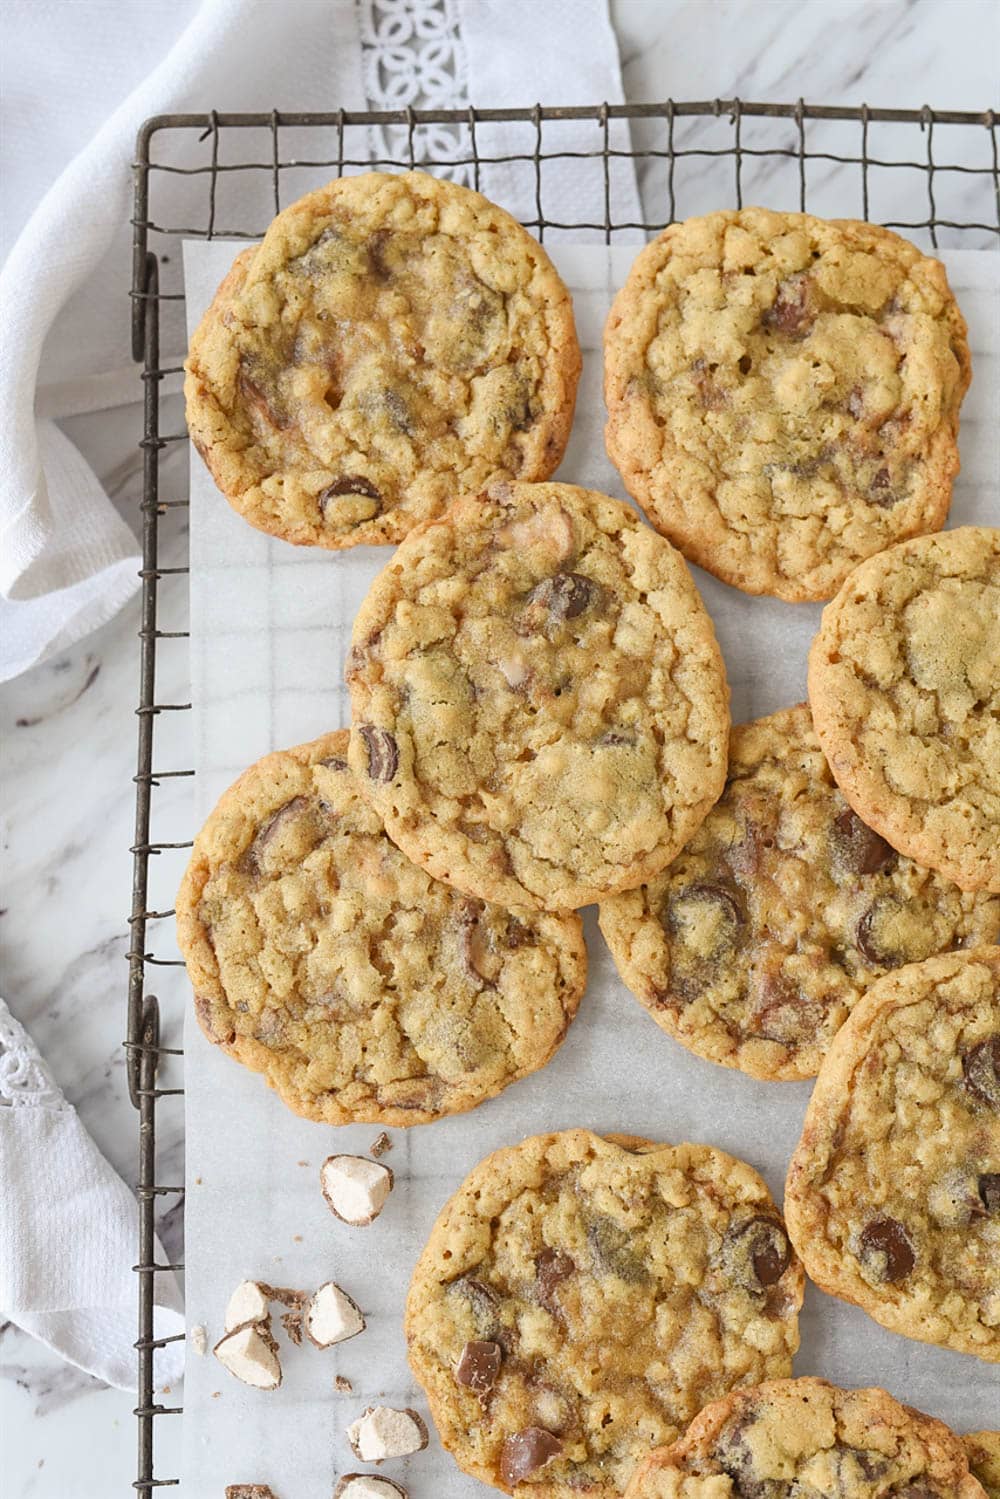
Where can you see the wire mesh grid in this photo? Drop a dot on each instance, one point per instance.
(689, 156)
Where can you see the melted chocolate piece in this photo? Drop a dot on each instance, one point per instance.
(375, 246)
(866, 936)
(552, 1267)
(349, 484)
(564, 595)
(483, 1300)
(383, 752)
(473, 944)
(270, 829)
(478, 1367)
(886, 1251)
(727, 903)
(989, 1191)
(527, 1451)
(791, 312)
(859, 848)
(265, 403)
(613, 1254)
(759, 1251)
(981, 1071)
(881, 492)
(518, 935)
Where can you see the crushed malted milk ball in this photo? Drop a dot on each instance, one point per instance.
(383, 1432)
(332, 1317)
(355, 1188)
(251, 1355)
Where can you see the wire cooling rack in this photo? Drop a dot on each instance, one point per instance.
(934, 175)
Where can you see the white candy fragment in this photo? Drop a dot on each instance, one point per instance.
(355, 1188)
(251, 1355)
(248, 1303)
(383, 1432)
(199, 1339)
(367, 1486)
(332, 1317)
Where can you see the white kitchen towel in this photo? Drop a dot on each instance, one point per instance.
(69, 1230)
(67, 559)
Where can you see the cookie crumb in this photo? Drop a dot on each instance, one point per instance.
(380, 1146)
(292, 1323)
(343, 1385)
(199, 1339)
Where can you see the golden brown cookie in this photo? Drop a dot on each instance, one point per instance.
(983, 1451)
(362, 989)
(752, 947)
(540, 707)
(792, 1437)
(893, 1192)
(392, 342)
(904, 686)
(579, 1299)
(783, 394)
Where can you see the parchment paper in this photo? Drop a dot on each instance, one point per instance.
(270, 626)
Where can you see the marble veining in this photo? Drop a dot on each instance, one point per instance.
(67, 727)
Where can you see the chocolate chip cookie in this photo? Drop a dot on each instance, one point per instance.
(362, 989)
(580, 1299)
(805, 1436)
(752, 947)
(904, 686)
(540, 707)
(393, 341)
(893, 1192)
(783, 394)
(983, 1451)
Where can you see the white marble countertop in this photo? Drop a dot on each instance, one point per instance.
(68, 731)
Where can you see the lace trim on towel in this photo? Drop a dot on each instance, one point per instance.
(412, 57)
(24, 1078)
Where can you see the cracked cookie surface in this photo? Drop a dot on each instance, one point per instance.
(983, 1451)
(804, 1436)
(783, 394)
(362, 989)
(540, 710)
(580, 1299)
(393, 341)
(753, 946)
(893, 1192)
(904, 687)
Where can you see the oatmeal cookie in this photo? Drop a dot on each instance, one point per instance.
(904, 686)
(783, 394)
(540, 707)
(983, 1451)
(804, 1436)
(893, 1192)
(361, 988)
(392, 342)
(579, 1300)
(752, 947)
